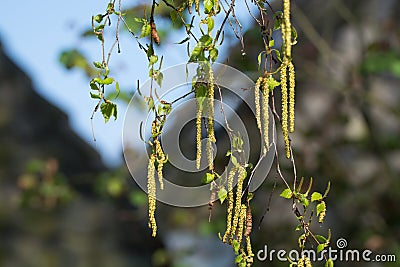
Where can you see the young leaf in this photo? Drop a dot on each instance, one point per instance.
(208, 178)
(239, 258)
(208, 5)
(321, 239)
(287, 193)
(95, 96)
(214, 54)
(222, 193)
(272, 83)
(210, 24)
(316, 196)
(108, 110)
(236, 246)
(206, 40)
(153, 60)
(320, 247)
(271, 43)
(146, 30)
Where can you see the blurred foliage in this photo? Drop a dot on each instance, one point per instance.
(43, 187)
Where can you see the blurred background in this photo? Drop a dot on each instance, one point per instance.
(66, 200)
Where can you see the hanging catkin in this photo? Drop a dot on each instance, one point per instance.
(198, 133)
(285, 129)
(257, 101)
(265, 117)
(291, 96)
(230, 201)
(151, 193)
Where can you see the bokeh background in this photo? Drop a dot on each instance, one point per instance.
(68, 201)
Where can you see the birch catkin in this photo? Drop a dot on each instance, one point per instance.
(151, 193)
(285, 129)
(291, 96)
(265, 117)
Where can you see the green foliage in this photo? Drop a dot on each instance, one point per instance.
(43, 187)
(381, 61)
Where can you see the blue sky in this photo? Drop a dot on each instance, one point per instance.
(34, 33)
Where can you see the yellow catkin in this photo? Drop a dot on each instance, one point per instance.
(241, 223)
(321, 216)
(197, 6)
(210, 98)
(230, 202)
(151, 193)
(307, 262)
(287, 29)
(198, 134)
(265, 117)
(291, 96)
(285, 129)
(238, 204)
(160, 162)
(257, 101)
(210, 120)
(300, 263)
(250, 253)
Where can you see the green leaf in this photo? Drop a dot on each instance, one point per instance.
(287, 193)
(214, 54)
(321, 239)
(98, 18)
(210, 24)
(174, 16)
(153, 59)
(196, 53)
(320, 247)
(329, 263)
(236, 246)
(95, 96)
(321, 207)
(303, 200)
(271, 43)
(159, 78)
(146, 30)
(206, 40)
(98, 65)
(93, 85)
(108, 110)
(208, 6)
(239, 258)
(107, 81)
(259, 58)
(234, 161)
(208, 178)
(272, 83)
(222, 193)
(316, 196)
